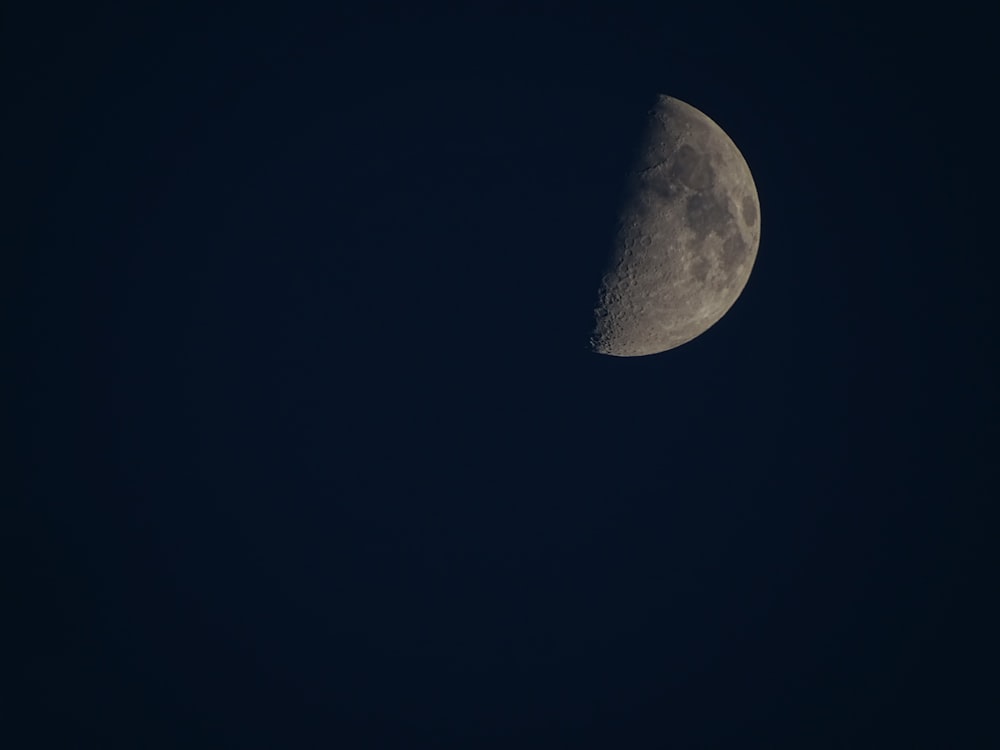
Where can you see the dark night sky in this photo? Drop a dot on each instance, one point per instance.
(309, 450)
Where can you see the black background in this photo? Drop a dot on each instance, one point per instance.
(309, 449)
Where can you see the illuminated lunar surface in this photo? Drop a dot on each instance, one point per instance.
(688, 237)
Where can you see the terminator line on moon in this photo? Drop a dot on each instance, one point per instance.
(688, 237)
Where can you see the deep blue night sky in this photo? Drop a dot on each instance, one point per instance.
(310, 451)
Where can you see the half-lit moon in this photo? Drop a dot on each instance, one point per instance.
(688, 236)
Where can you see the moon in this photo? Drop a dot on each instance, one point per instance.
(687, 239)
